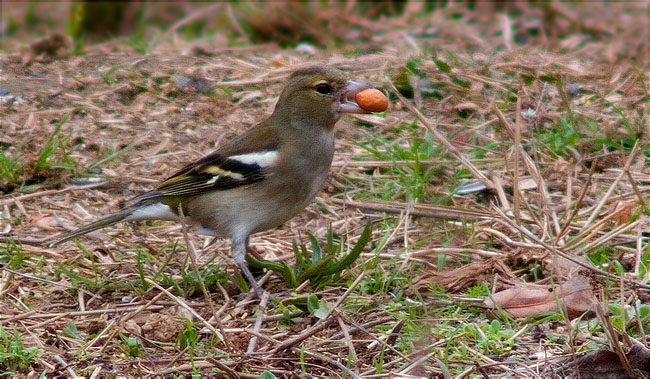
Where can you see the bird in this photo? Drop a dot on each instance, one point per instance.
(260, 179)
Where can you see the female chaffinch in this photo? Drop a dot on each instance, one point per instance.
(260, 179)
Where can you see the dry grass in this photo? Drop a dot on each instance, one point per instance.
(503, 113)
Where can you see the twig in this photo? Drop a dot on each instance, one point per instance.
(258, 322)
(507, 221)
(332, 362)
(357, 329)
(348, 341)
(259, 80)
(427, 162)
(516, 194)
(39, 242)
(608, 236)
(635, 188)
(416, 354)
(417, 362)
(58, 284)
(208, 363)
(190, 309)
(569, 219)
(605, 197)
(12, 200)
(394, 333)
(322, 323)
(452, 149)
(65, 365)
(588, 231)
(235, 23)
(433, 211)
(189, 18)
(608, 328)
(34, 315)
(346, 294)
(96, 371)
(454, 250)
(192, 253)
(639, 251)
(256, 334)
(501, 193)
(506, 26)
(141, 308)
(377, 339)
(97, 337)
(48, 321)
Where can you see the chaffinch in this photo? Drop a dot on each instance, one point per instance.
(260, 179)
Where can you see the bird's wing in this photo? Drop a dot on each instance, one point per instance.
(229, 167)
(216, 173)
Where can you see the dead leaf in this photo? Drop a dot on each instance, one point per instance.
(529, 299)
(480, 271)
(50, 45)
(47, 223)
(605, 364)
(278, 61)
(165, 326)
(252, 95)
(624, 210)
(565, 268)
(467, 106)
(527, 184)
(132, 327)
(461, 139)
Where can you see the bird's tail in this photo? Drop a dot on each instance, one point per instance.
(106, 221)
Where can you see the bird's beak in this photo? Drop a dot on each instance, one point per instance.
(347, 102)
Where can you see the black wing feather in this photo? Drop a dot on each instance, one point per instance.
(210, 173)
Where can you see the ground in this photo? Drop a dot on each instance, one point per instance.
(509, 175)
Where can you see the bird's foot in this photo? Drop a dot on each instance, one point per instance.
(256, 290)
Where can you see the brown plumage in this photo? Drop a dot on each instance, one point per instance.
(260, 179)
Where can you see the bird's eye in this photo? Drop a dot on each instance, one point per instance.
(323, 88)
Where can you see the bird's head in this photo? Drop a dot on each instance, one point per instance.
(317, 96)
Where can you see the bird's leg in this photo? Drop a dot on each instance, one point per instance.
(239, 248)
